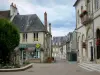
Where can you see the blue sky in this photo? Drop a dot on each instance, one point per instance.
(61, 13)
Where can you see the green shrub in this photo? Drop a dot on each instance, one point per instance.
(9, 39)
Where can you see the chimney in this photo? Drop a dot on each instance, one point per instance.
(11, 4)
(50, 27)
(45, 20)
(15, 6)
(13, 9)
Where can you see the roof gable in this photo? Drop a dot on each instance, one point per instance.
(28, 23)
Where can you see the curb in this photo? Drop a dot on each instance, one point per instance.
(17, 69)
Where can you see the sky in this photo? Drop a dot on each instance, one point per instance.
(61, 13)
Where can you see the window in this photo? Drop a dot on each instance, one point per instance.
(24, 37)
(89, 6)
(97, 4)
(81, 9)
(35, 36)
(78, 16)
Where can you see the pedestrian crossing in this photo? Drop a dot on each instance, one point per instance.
(90, 67)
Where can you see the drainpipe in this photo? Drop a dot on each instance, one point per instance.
(93, 35)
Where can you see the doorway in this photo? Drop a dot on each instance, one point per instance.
(91, 51)
(98, 45)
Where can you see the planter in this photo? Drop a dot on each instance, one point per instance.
(49, 59)
(17, 69)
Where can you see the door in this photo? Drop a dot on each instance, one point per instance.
(91, 53)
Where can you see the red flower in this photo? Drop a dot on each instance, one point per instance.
(98, 42)
(83, 13)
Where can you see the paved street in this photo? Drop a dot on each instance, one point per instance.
(60, 68)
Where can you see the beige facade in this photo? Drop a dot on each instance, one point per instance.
(35, 37)
(30, 38)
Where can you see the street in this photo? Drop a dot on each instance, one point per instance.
(61, 67)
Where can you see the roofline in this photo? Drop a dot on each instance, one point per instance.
(30, 31)
(4, 10)
(76, 3)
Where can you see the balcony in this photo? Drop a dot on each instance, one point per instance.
(86, 19)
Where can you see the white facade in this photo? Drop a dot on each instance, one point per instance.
(81, 32)
(64, 52)
(88, 33)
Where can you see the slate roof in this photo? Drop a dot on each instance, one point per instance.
(28, 23)
(5, 14)
(60, 39)
(76, 2)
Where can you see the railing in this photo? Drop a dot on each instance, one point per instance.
(86, 19)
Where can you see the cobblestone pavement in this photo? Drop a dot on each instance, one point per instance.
(61, 67)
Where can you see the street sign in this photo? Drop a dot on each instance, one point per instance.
(37, 45)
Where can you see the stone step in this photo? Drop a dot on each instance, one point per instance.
(86, 68)
(94, 67)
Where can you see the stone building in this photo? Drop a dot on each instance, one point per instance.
(87, 27)
(35, 37)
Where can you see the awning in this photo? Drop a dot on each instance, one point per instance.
(22, 46)
(31, 48)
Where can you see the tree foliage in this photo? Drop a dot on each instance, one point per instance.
(9, 39)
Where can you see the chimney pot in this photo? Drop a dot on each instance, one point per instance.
(45, 20)
(15, 5)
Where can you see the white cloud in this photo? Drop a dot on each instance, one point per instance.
(62, 31)
(55, 12)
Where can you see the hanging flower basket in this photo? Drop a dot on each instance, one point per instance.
(98, 42)
(83, 13)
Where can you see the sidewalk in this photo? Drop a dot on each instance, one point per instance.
(90, 66)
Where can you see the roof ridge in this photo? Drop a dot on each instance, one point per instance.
(4, 10)
(27, 14)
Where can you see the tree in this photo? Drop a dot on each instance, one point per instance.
(9, 39)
